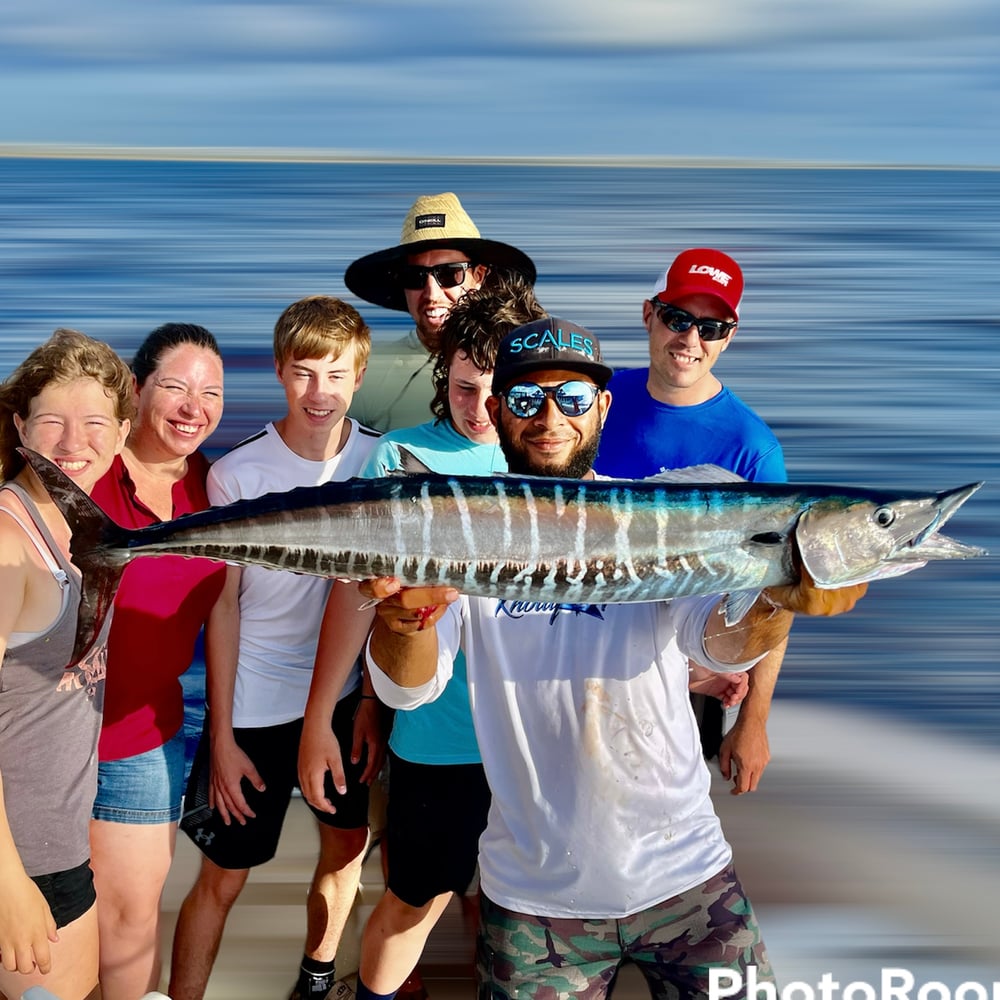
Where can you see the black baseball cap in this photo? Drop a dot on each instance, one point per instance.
(550, 342)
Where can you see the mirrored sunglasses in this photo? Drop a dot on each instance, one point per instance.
(573, 398)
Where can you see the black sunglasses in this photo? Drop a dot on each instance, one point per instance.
(573, 398)
(680, 321)
(414, 277)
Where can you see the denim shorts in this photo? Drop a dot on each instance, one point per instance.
(144, 789)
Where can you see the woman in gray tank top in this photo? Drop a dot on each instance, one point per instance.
(71, 400)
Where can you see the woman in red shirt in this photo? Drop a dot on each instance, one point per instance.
(159, 611)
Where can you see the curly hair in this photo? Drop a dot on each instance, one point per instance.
(66, 356)
(477, 323)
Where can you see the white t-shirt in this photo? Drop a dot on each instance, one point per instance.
(280, 612)
(601, 801)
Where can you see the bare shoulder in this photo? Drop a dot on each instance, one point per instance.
(14, 570)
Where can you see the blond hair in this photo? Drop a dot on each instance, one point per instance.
(66, 356)
(320, 325)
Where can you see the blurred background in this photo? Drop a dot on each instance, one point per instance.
(211, 163)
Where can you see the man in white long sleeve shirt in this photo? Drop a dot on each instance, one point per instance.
(602, 843)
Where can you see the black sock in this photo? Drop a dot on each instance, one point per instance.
(364, 993)
(316, 978)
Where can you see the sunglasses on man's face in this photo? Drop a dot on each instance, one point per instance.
(414, 277)
(680, 321)
(573, 398)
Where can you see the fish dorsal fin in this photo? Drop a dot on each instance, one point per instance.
(696, 474)
(409, 464)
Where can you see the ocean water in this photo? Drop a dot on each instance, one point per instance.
(870, 333)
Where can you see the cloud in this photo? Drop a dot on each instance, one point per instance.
(886, 81)
(181, 31)
(115, 32)
(645, 24)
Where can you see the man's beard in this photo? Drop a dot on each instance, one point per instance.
(519, 459)
(429, 336)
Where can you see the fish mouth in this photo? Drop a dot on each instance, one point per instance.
(929, 544)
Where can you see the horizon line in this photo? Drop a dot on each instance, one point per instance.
(280, 154)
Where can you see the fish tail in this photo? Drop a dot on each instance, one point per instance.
(96, 545)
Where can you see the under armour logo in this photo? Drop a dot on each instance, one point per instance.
(201, 837)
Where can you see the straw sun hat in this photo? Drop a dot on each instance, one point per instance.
(434, 222)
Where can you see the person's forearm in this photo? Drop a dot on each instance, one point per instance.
(341, 639)
(767, 624)
(763, 628)
(762, 680)
(410, 660)
(222, 644)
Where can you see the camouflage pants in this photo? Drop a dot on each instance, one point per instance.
(674, 944)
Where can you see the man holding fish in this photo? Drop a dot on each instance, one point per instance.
(602, 842)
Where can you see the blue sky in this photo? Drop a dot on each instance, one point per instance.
(869, 81)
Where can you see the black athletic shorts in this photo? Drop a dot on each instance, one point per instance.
(69, 893)
(435, 816)
(274, 751)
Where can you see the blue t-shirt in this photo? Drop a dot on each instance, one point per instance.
(441, 731)
(440, 447)
(643, 436)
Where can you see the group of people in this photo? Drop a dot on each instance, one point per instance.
(506, 728)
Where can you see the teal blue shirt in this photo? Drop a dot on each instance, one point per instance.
(439, 732)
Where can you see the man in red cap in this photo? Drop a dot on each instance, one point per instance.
(677, 413)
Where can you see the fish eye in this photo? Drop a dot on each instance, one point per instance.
(884, 516)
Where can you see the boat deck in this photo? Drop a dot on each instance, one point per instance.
(870, 845)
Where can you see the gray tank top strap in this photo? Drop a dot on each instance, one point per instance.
(45, 544)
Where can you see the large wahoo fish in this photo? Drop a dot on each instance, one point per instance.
(521, 538)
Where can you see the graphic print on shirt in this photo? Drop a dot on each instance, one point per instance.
(89, 673)
(518, 609)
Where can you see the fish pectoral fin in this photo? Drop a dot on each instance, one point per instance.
(737, 604)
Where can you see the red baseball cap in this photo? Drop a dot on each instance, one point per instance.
(702, 272)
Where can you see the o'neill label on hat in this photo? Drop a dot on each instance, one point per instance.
(434, 221)
(715, 273)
